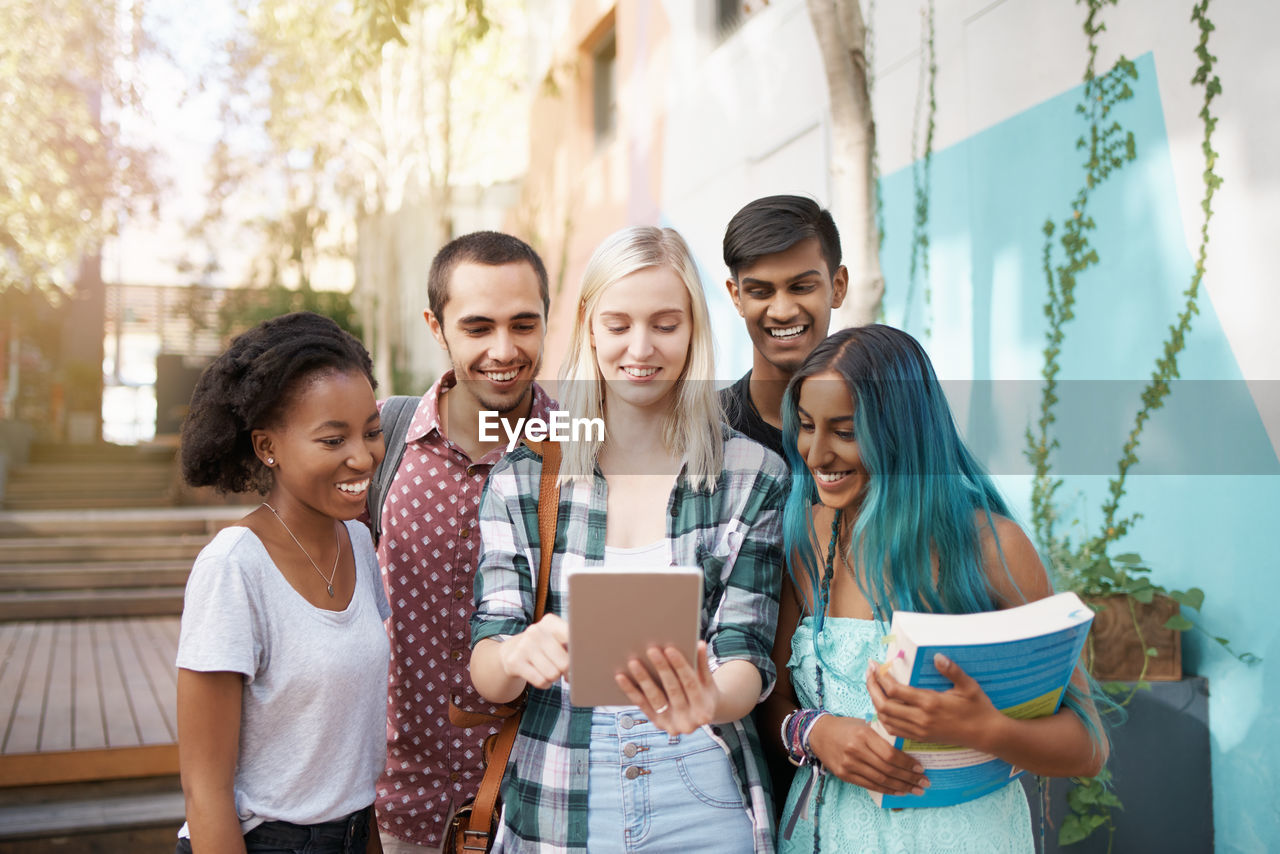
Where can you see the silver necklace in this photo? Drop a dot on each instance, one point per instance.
(337, 542)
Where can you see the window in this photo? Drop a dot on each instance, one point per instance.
(729, 15)
(605, 87)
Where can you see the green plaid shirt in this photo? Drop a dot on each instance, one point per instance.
(734, 533)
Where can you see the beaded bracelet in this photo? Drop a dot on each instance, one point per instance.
(796, 729)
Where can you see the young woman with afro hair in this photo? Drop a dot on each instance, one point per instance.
(283, 653)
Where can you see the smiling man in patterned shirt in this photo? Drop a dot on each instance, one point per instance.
(488, 306)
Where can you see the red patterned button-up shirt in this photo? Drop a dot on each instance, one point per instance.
(428, 553)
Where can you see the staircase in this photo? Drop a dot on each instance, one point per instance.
(100, 476)
(94, 559)
(75, 564)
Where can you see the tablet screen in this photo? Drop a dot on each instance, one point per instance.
(616, 615)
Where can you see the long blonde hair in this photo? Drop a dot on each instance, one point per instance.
(692, 426)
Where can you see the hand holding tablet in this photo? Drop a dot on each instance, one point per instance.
(683, 697)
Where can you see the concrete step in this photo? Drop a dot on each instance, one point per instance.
(88, 502)
(38, 471)
(97, 476)
(18, 605)
(81, 487)
(120, 815)
(107, 486)
(101, 452)
(86, 486)
(120, 523)
(24, 551)
(80, 576)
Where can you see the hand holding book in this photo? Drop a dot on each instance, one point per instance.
(962, 715)
(976, 727)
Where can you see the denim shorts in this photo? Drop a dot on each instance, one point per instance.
(650, 791)
(348, 835)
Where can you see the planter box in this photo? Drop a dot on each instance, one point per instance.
(1114, 650)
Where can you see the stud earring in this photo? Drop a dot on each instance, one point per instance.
(271, 461)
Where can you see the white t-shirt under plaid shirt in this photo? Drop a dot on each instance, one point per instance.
(734, 533)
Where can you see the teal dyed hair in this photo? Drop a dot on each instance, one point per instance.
(925, 491)
(923, 484)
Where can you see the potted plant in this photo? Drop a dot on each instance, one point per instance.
(1137, 633)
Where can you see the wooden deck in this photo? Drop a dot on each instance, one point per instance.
(87, 700)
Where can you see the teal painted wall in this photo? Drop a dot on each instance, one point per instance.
(1210, 494)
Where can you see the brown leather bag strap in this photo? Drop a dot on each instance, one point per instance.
(548, 511)
(466, 719)
(476, 836)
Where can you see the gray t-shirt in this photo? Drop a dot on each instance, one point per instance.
(313, 719)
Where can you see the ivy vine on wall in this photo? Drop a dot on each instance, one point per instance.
(1109, 147)
(1083, 564)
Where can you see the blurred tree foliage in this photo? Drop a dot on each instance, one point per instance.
(362, 102)
(69, 174)
(246, 307)
(339, 113)
(375, 23)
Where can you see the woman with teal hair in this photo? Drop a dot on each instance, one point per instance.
(888, 510)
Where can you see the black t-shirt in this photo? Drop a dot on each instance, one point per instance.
(741, 414)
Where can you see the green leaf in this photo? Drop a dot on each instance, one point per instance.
(1179, 623)
(1128, 557)
(1152, 652)
(1109, 799)
(1114, 687)
(1143, 685)
(1192, 598)
(1144, 594)
(1085, 794)
(1072, 831)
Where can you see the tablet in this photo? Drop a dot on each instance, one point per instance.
(616, 615)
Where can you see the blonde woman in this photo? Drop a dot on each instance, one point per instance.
(669, 484)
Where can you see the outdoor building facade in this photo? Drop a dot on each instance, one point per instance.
(678, 113)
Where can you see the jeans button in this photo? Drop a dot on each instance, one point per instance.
(630, 749)
(627, 721)
(632, 772)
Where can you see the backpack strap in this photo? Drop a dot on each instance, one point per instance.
(397, 412)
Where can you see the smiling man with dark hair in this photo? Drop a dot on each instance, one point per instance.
(785, 277)
(488, 306)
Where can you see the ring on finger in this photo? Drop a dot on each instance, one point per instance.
(665, 706)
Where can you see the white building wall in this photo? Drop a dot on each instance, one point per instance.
(748, 117)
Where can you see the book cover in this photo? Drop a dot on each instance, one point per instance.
(1023, 658)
